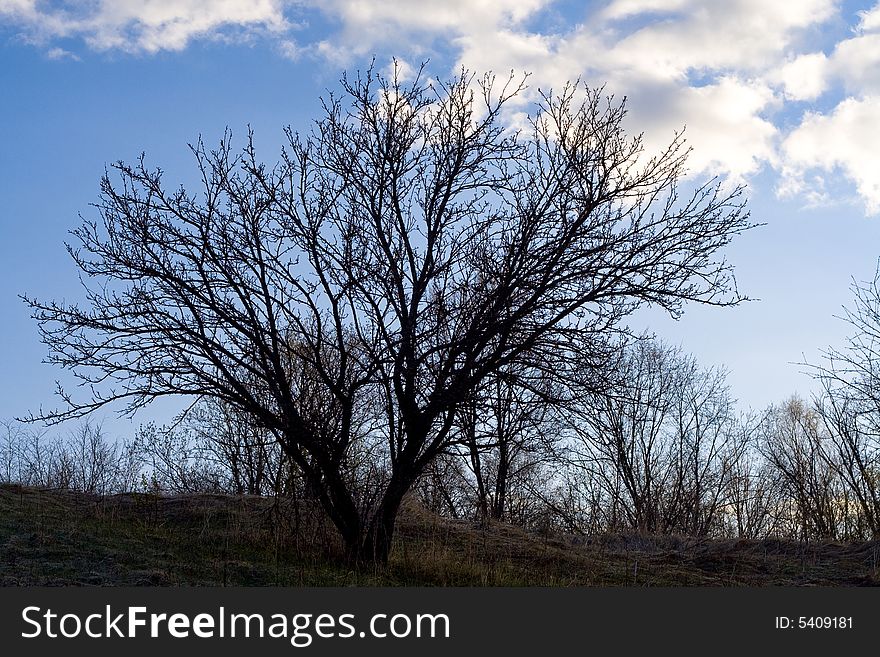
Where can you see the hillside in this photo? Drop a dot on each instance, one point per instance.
(52, 537)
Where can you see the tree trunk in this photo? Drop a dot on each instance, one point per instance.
(501, 480)
(375, 545)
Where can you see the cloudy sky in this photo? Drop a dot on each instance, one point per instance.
(782, 96)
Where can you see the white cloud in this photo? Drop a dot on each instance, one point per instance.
(400, 70)
(853, 62)
(735, 72)
(626, 8)
(745, 35)
(58, 54)
(847, 140)
(289, 49)
(869, 20)
(655, 65)
(805, 77)
(722, 121)
(688, 37)
(552, 60)
(856, 62)
(142, 25)
(456, 15)
(367, 25)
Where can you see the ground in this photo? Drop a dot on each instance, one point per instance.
(50, 537)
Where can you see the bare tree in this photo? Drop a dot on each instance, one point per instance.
(850, 406)
(810, 503)
(709, 440)
(84, 459)
(851, 447)
(753, 495)
(657, 450)
(253, 460)
(622, 436)
(508, 428)
(410, 247)
(174, 460)
(445, 487)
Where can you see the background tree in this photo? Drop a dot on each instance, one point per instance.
(852, 449)
(83, 459)
(850, 407)
(810, 503)
(508, 429)
(409, 248)
(660, 447)
(753, 498)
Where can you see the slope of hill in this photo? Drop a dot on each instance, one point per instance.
(50, 537)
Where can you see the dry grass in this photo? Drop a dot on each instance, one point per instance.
(58, 537)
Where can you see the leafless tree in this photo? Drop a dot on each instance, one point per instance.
(250, 459)
(83, 459)
(445, 488)
(849, 406)
(753, 495)
(411, 246)
(852, 449)
(508, 429)
(658, 449)
(709, 440)
(174, 460)
(810, 502)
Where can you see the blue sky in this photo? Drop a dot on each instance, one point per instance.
(782, 96)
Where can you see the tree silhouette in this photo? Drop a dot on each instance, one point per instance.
(408, 248)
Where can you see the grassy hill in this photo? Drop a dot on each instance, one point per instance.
(50, 537)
